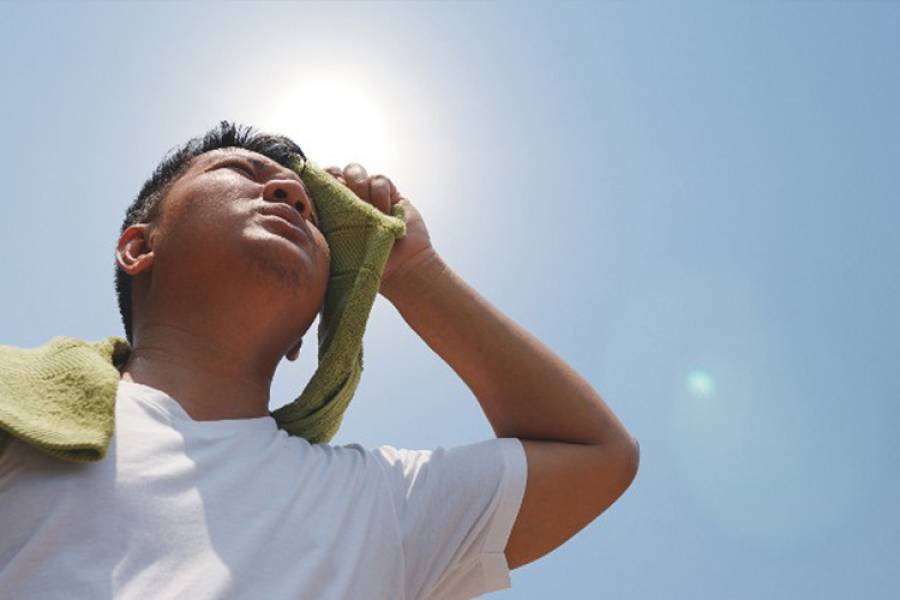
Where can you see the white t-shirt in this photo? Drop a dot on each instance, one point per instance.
(240, 509)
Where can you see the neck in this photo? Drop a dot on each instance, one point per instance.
(212, 377)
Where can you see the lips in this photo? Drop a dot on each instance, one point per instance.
(290, 217)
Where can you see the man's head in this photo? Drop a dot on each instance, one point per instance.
(203, 241)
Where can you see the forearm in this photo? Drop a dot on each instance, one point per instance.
(524, 389)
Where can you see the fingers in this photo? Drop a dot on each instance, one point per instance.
(377, 190)
(337, 173)
(380, 193)
(395, 193)
(357, 180)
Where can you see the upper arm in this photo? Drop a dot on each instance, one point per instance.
(455, 508)
(568, 486)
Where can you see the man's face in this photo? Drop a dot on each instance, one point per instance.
(213, 229)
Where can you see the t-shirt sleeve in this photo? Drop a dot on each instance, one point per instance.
(455, 510)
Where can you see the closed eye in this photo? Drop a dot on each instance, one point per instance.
(242, 168)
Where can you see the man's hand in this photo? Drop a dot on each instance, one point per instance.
(379, 191)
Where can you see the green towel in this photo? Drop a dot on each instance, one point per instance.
(60, 397)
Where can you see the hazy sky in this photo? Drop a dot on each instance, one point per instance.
(692, 204)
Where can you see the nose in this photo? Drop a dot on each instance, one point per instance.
(290, 192)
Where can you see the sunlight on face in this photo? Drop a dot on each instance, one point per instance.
(344, 114)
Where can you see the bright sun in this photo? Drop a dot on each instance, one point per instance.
(334, 122)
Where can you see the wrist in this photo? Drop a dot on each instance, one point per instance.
(414, 276)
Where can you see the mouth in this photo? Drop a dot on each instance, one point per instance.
(285, 211)
(286, 228)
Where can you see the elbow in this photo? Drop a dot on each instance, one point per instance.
(632, 461)
(635, 450)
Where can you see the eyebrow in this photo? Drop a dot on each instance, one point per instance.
(270, 167)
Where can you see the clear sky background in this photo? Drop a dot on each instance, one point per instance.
(694, 205)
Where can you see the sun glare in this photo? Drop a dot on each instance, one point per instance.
(335, 122)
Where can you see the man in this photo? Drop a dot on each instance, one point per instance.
(221, 270)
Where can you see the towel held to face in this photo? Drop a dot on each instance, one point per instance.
(60, 397)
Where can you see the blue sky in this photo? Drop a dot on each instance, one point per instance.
(692, 204)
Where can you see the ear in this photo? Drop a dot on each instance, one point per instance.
(294, 352)
(133, 252)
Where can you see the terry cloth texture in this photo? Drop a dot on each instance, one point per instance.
(60, 397)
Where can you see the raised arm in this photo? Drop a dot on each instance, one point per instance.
(580, 456)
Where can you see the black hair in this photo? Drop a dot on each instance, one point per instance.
(146, 207)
